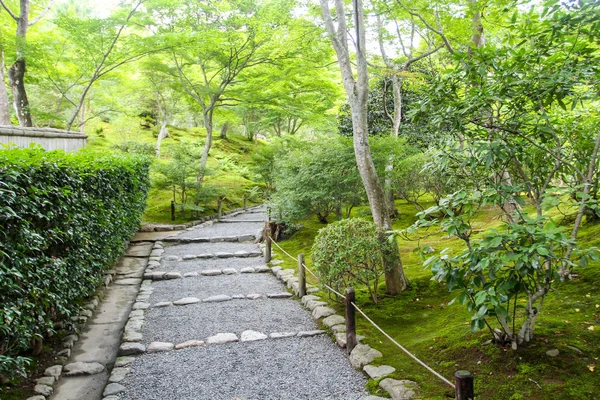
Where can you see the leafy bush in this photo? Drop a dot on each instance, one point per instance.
(350, 252)
(65, 218)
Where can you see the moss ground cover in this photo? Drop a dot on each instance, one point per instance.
(422, 320)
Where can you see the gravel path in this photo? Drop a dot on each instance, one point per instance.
(226, 229)
(206, 286)
(291, 368)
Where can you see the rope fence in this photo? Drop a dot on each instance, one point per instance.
(463, 385)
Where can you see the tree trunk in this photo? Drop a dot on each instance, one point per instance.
(16, 74)
(163, 133)
(208, 124)
(224, 128)
(4, 103)
(357, 92)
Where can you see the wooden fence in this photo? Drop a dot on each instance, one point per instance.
(48, 138)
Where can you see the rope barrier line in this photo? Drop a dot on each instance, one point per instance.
(371, 321)
(402, 347)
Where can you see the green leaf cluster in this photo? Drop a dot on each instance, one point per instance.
(65, 219)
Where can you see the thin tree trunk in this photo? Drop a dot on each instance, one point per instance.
(16, 74)
(4, 102)
(163, 133)
(357, 92)
(208, 124)
(224, 128)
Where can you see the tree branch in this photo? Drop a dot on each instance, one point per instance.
(42, 14)
(8, 10)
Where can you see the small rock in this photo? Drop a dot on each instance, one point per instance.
(238, 296)
(64, 353)
(83, 368)
(400, 389)
(54, 371)
(275, 270)
(69, 341)
(156, 347)
(261, 269)
(281, 335)
(118, 374)
(128, 282)
(44, 390)
(141, 306)
(163, 304)
(221, 338)
(36, 398)
(217, 299)
(338, 328)
(206, 255)
(251, 336)
(363, 355)
(553, 352)
(171, 258)
(190, 274)
(575, 349)
(124, 361)
(229, 271)
(136, 313)
(186, 300)
(277, 262)
(378, 372)
(129, 349)
(189, 343)
(241, 254)
(312, 289)
(172, 275)
(364, 398)
(311, 305)
(308, 298)
(223, 254)
(310, 333)
(341, 340)
(189, 257)
(282, 295)
(132, 336)
(46, 380)
(254, 296)
(322, 312)
(113, 388)
(247, 270)
(334, 320)
(211, 272)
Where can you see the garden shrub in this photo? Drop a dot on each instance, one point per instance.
(349, 252)
(64, 219)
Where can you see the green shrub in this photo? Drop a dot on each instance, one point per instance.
(348, 253)
(64, 219)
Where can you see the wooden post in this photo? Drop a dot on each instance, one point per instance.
(245, 202)
(350, 320)
(301, 276)
(172, 210)
(267, 242)
(464, 385)
(220, 207)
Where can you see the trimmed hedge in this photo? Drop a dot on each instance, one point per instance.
(64, 219)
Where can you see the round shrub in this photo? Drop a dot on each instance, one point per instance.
(349, 253)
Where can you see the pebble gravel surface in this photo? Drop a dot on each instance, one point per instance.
(290, 367)
(206, 286)
(225, 229)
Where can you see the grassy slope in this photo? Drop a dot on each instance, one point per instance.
(230, 159)
(439, 334)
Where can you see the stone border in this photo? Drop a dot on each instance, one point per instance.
(45, 385)
(362, 356)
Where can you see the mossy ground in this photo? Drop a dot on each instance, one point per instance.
(230, 161)
(421, 320)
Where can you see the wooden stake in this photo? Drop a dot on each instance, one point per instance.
(464, 385)
(267, 242)
(301, 276)
(220, 207)
(245, 202)
(172, 211)
(350, 320)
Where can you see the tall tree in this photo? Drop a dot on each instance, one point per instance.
(16, 72)
(357, 91)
